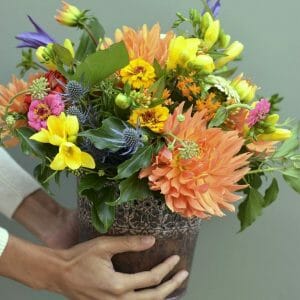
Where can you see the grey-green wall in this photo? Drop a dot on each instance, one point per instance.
(263, 262)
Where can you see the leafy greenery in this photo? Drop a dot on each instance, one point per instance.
(220, 117)
(86, 45)
(132, 189)
(62, 55)
(90, 181)
(100, 65)
(291, 176)
(271, 193)
(104, 137)
(141, 159)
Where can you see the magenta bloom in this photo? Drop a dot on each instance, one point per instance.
(259, 113)
(40, 110)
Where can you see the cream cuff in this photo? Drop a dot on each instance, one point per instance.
(4, 236)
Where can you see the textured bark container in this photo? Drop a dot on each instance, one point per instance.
(174, 235)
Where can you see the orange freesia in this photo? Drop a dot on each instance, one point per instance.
(203, 184)
(144, 43)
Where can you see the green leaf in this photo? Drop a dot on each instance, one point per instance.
(220, 117)
(91, 181)
(291, 176)
(103, 214)
(63, 55)
(158, 69)
(104, 137)
(254, 180)
(141, 159)
(288, 146)
(132, 189)
(250, 208)
(158, 87)
(31, 147)
(100, 65)
(86, 45)
(226, 72)
(271, 193)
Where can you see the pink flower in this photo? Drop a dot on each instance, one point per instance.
(40, 110)
(259, 113)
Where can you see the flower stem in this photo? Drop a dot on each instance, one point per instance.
(267, 170)
(89, 32)
(239, 105)
(11, 101)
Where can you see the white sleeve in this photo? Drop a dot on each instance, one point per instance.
(15, 184)
(4, 236)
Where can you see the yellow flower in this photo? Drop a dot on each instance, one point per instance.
(278, 135)
(69, 45)
(153, 118)
(245, 88)
(139, 74)
(45, 56)
(231, 53)
(62, 131)
(71, 156)
(70, 15)
(181, 51)
(203, 63)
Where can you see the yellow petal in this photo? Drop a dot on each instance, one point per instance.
(72, 126)
(58, 163)
(41, 136)
(71, 154)
(56, 126)
(87, 160)
(56, 140)
(69, 45)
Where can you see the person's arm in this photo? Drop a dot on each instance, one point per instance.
(85, 272)
(54, 225)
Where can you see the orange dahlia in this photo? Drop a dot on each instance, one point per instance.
(200, 169)
(145, 43)
(20, 105)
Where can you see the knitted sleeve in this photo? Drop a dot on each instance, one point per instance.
(15, 184)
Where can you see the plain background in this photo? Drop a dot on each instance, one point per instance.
(263, 262)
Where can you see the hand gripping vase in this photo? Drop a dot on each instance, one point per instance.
(174, 235)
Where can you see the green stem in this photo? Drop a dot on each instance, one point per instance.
(267, 170)
(89, 32)
(11, 101)
(239, 105)
(41, 67)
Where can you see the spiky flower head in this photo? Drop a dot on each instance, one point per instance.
(75, 91)
(75, 111)
(189, 150)
(39, 88)
(10, 120)
(222, 85)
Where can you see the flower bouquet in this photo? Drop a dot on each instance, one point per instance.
(159, 131)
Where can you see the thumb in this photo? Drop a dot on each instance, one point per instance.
(114, 245)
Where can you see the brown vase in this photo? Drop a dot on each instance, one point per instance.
(174, 235)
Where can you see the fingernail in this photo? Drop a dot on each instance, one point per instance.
(175, 259)
(148, 240)
(183, 275)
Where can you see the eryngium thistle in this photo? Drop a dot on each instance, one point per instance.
(75, 91)
(75, 111)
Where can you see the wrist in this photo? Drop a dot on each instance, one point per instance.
(38, 267)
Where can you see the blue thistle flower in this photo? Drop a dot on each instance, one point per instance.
(131, 139)
(75, 111)
(74, 90)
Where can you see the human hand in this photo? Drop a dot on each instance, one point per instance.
(89, 273)
(85, 272)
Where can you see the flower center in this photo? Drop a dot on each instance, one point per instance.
(189, 149)
(42, 111)
(149, 116)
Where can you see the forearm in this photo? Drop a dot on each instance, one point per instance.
(54, 225)
(35, 266)
(39, 213)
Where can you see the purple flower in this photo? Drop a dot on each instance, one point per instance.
(214, 6)
(259, 113)
(34, 39)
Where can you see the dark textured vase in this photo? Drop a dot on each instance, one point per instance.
(174, 235)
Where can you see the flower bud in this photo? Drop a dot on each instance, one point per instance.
(180, 118)
(206, 21)
(212, 34)
(69, 45)
(122, 101)
(70, 15)
(203, 63)
(10, 120)
(279, 135)
(231, 53)
(45, 56)
(245, 88)
(272, 119)
(224, 39)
